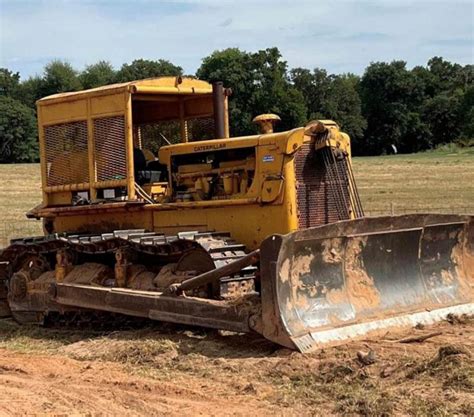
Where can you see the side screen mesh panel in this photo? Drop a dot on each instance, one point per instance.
(201, 129)
(66, 153)
(110, 149)
(321, 199)
(151, 134)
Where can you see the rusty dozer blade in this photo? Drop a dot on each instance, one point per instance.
(332, 283)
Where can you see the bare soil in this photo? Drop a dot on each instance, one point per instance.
(170, 370)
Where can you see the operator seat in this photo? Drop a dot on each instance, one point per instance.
(139, 165)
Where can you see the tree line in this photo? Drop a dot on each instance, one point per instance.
(388, 107)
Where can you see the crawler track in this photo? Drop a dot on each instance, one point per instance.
(152, 249)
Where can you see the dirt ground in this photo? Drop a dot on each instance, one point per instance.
(170, 370)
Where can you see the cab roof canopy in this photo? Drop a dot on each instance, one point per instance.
(153, 100)
(161, 85)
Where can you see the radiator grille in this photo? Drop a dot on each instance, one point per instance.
(321, 198)
(110, 148)
(66, 153)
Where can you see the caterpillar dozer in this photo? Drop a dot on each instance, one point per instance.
(151, 210)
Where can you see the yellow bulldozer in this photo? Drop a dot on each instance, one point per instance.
(151, 210)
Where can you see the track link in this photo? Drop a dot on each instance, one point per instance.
(157, 248)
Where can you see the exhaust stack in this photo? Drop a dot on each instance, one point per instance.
(219, 109)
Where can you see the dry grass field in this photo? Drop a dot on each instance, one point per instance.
(441, 182)
(164, 369)
(431, 181)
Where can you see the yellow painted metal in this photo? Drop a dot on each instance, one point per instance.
(268, 206)
(161, 85)
(331, 135)
(182, 122)
(91, 154)
(43, 162)
(107, 105)
(145, 89)
(59, 113)
(266, 122)
(248, 223)
(129, 149)
(104, 220)
(61, 198)
(194, 98)
(82, 186)
(259, 190)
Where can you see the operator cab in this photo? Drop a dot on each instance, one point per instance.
(168, 119)
(102, 145)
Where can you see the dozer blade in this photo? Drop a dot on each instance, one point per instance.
(331, 283)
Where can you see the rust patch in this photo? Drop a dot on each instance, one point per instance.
(47, 277)
(89, 273)
(169, 275)
(300, 266)
(41, 284)
(285, 271)
(336, 296)
(139, 278)
(447, 278)
(452, 234)
(360, 286)
(463, 260)
(332, 251)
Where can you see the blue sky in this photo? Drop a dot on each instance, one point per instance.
(339, 35)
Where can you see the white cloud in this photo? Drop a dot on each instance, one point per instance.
(340, 36)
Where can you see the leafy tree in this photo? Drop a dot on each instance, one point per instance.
(449, 76)
(232, 67)
(416, 134)
(467, 113)
(389, 105)
(389, 102)
(425, 84)
(274, 92)
(344, 105)
(260, 85)
(59, 77)
(96, 75)
(331, 97)
(443, 115)
(315, 88)
(18, 132)
(30, 90)
(9, 82)
(144, 68)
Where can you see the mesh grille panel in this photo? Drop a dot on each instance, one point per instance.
(197, 129)
(110, 148)
(66, 153)
(151, 138)
(201, 129)
(320, 198)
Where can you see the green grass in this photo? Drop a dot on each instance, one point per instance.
(429, 181)
(440, 181)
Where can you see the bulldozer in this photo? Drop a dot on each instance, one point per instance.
(150, 209)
